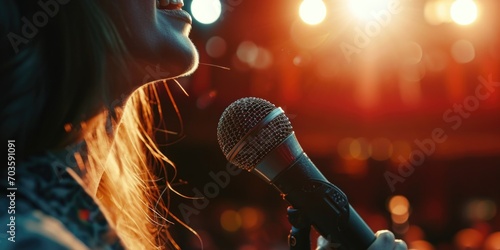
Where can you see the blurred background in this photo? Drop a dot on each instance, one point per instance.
(397, 102)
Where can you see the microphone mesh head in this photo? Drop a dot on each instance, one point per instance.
(242, 116)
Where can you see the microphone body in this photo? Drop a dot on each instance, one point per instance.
(258, 137)
(326, 207)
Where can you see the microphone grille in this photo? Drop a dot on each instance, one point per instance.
(242, 116)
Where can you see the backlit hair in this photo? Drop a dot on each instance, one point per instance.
(124, 169)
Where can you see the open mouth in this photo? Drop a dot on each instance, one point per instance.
(169, 4)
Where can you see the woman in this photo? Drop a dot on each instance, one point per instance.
(77, 112)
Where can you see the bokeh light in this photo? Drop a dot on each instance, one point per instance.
(400, 218)
(414, 233)
(206, 11)
(463, 51)
(230, 220)
(302, 59)
(399, 206)
(312, 11)
(264, 59)
(492, 242)
(255, 56)
(381, 149)
(412, 53)
(247, 51)
(216, 46)
(468, 239)
(402, 151)
(480, 210)
(251, 218)
(437, 11)
(463, 12)
(359, 149)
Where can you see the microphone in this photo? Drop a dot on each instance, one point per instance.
(258, 137)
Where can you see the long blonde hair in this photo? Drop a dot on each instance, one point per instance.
(126, 172)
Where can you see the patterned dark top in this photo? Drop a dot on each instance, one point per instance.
(52, 211)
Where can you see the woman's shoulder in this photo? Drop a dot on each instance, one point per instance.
(51, 208)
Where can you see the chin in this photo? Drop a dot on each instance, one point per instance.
(180, 57)
(189, 62)
(182, 66)
(180, 62)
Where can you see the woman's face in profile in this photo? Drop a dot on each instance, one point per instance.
(156, 34)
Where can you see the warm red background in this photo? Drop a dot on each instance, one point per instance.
(330, 99)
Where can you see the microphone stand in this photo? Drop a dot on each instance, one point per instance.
(299, 237)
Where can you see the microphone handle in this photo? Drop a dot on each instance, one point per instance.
(324, 205)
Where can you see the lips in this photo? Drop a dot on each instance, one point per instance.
(170, 4)
(180, 14)
(174, 9)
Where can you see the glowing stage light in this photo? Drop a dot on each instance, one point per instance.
(364, 9)
(399, 205)
(438, 11)
(312, 11)
(206, 11)
(463, 12)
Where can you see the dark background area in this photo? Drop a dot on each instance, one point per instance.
(356, 119)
